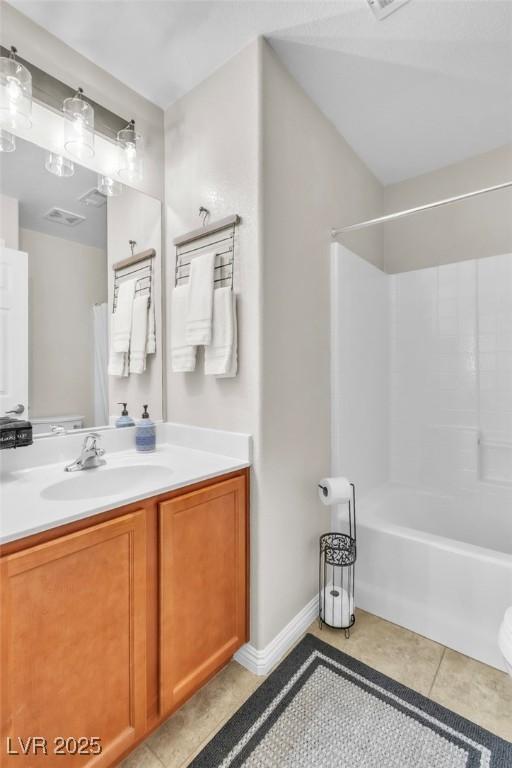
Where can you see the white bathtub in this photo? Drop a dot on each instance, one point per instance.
(440, 565)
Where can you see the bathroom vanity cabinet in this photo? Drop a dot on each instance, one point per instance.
(111, 623)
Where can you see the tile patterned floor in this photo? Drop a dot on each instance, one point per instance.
(472, 689)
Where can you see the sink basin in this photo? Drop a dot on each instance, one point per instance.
(93, 483)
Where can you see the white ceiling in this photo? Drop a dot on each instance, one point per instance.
(428, 86)
(24, 177)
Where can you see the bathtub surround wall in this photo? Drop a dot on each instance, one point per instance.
(451, 406)
(360, 369)
(61, 348)
(450, 372)
(450, 443)
(133, 216)
(434, 395)
(494, 278)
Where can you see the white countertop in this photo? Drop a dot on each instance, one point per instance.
(28, 504)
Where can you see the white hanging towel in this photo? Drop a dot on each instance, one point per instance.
(118, 363)
(220, 357)
(198, 327)
(122, 318)
(233, 366)
(151, 339)
(183, 355)
(139, 335)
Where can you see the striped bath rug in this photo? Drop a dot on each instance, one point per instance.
(323, 709)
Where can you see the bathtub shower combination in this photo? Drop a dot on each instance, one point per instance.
(422, 423)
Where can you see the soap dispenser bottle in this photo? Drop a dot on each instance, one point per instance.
(124, 420)
(145, 433)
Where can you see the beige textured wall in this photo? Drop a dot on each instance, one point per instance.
(248, 140)
(50, 54)
(212, 159)
(9, 221)
(135, 216)
(471, 229)
(65, 279)
(312, 180)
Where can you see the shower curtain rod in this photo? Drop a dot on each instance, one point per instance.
(418, 209)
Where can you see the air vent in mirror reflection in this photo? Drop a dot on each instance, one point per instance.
(67, 218)
(382, 8)
(93, 197)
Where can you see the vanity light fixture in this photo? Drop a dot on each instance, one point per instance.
(131, 153)
(7, 141)
(109, 186)
(59, 165)
(15, 93)
(79, 126)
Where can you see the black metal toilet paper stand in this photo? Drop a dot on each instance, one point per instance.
(336, 575)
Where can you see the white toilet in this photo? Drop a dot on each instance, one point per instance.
(505, 639)
(46, 425)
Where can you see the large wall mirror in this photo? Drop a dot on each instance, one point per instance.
(60, 237)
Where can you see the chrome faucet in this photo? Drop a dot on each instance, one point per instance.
(90, 455)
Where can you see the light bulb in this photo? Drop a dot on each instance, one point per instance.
(7, 141)
(59, 165)
(131, 150)
(15, 93)
(13, 89)
(79, 127)
(109, 186)
(131, 158)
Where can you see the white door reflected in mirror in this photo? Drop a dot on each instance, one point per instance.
(13, 332)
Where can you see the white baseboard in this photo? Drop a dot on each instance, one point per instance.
(260, 662)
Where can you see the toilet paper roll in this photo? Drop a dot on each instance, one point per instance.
(338, 606)
(334, 490)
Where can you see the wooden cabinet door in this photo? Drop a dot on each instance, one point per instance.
(73, 643)
(203, 585)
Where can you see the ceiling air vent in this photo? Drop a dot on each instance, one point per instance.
(67, 218)
(93, 197)
(382, 8)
